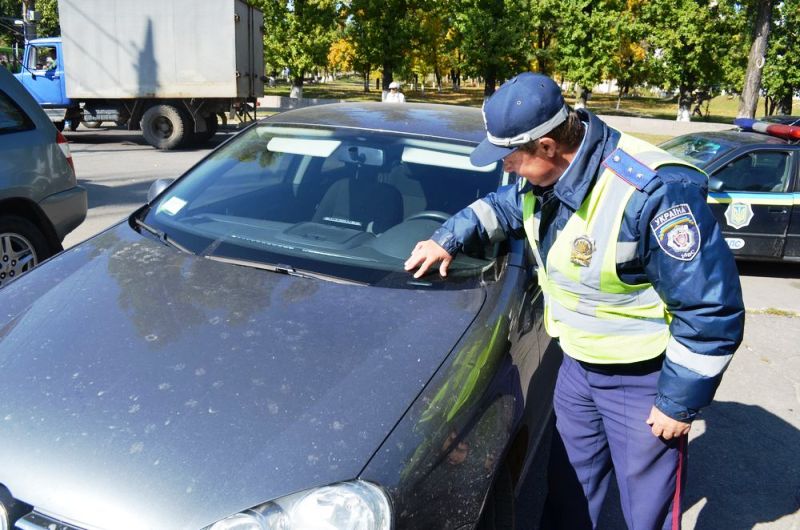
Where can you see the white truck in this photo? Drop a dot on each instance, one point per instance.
(168, 67)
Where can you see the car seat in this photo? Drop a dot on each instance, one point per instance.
(361, 203)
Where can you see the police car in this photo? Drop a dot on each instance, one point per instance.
(754, 189)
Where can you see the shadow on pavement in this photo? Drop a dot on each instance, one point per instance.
(746, 466)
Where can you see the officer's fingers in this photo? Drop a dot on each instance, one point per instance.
(445, 265)
(429, 260)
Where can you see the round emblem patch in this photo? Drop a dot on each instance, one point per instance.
(676, 232)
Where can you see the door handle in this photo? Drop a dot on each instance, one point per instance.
(778, 209)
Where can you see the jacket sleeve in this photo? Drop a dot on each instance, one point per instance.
(493, 218)
(689, 264)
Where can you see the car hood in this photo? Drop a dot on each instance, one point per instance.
(148, 388)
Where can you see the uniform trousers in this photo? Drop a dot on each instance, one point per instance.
(601, 426)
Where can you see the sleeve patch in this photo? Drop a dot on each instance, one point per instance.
(629, 169)
(676, 232)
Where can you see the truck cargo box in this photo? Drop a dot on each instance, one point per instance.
(119, 49)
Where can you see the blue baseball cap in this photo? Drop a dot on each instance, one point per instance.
(523, 109)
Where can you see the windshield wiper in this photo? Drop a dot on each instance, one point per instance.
(285, 269)
(161, 236)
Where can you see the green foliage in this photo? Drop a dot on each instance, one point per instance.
(298, 34)
(781, 75)
(495, 38)
(589, 38)
(381, 32)
(690, 42)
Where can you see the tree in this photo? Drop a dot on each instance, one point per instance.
(588, 39)
(781, 74)
(756, 59)
(495, 37)
(690, 42)
(341, 56)
(382, 31)
(298, 35)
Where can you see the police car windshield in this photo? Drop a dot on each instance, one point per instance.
(697, 150)
(350, 204)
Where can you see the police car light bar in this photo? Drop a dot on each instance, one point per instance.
(787, 132)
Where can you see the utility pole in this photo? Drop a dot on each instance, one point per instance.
(29, 19)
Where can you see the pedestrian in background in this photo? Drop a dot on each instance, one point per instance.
(641, 291)
(394, 95)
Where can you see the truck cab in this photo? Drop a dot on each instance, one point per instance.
(43, 76)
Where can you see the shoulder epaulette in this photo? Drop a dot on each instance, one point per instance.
(629, 169)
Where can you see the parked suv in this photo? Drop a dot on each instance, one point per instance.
(40, 200)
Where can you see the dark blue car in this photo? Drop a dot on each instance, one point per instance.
(246, 351)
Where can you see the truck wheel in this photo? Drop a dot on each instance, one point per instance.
(92, 124)
(212, 125)
(22, 247)
(72, 125)
(164, 126)
(59, 125)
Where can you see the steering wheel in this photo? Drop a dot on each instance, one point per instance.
(433, 215)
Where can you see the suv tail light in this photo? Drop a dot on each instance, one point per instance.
(64, 145)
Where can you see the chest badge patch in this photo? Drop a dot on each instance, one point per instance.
(676, 232)
(582, 250)
(739, 215)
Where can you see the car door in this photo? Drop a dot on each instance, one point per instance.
(792, 248)
(751, 199)
(43, 73)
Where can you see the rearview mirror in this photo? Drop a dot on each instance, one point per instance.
(714, 184)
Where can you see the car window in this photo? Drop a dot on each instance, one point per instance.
(757, 171)
(697, 150)
(12, 118)
(320, 199)
(42, 58)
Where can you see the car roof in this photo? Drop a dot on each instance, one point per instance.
(11, 86)
(741, 138)
(451, 122)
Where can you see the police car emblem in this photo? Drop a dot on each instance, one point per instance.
(582, 249)
(738, 214)
(676, 232)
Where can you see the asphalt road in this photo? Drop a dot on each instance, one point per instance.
(744, 469)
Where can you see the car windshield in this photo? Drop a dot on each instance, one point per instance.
(697, 150)
(348, 204)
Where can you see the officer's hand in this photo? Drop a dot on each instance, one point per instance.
(425, 254)
(666, 427)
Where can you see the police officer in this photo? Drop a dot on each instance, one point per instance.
(640, 290)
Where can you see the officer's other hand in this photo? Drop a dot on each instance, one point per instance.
(666, 427)
(426, 254)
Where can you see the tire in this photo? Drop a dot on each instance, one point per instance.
(72, 125)
(212, 126)
(165, 126)
(498, 511)
(22, 247)
(59, 125)
(92, 124)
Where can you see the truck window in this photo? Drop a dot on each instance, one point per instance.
(42, 58)
(12, 119)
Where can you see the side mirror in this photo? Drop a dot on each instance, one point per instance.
(714, 184)
(157, 187)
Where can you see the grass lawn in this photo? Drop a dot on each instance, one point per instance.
(721, 108)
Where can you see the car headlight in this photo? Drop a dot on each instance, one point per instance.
(355, 505)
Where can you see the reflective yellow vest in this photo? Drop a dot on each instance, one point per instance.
(596, 316)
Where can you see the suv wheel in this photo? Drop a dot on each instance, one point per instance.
(22, 247)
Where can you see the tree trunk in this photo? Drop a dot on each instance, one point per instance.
(785, 104)
(297, 87)
(366, 79)
(684, 104)
(581, 97)
(755, 62)
(387, 79)
(490, 81)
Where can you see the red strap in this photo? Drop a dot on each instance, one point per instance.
(676, 501)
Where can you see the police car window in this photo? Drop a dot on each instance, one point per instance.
(12, 119)
(758, 171)
(696, 150)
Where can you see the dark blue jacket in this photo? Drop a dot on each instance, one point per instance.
(702, 294)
